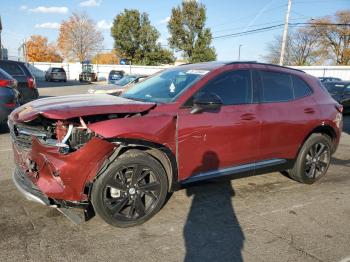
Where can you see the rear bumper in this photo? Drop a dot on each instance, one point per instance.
(28, 189)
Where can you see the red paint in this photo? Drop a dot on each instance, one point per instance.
(237, 134)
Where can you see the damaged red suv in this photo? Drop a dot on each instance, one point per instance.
(121, 156)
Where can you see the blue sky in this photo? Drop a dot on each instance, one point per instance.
(22, 18)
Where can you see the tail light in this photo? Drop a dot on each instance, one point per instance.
(7, 83)
(11, 104)
(31, 82)
(339, 108)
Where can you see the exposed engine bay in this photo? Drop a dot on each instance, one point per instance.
(67, 135)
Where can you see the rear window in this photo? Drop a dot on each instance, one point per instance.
(276, 87)
(301, 89)
(4, 75)
(12, 69)
(58, 70)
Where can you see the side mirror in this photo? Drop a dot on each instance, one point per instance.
(206, 102)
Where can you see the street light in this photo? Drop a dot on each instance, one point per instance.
(239, 52)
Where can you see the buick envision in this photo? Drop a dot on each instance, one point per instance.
(121, 156)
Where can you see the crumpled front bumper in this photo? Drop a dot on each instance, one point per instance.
(32, 192)
(28, 189)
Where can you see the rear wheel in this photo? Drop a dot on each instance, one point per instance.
(131, 190)
(313, 160)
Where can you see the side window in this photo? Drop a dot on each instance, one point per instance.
(301, 89)
(233, 87)
(276, 87)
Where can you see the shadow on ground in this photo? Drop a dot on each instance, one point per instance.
(4, 128)
(212, 231)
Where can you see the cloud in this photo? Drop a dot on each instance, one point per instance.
(49, 9)
(104, 25)
(23, 7)
(165, 20)
(90, 3)
(48, 25)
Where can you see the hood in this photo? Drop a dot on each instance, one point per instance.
(66, 107)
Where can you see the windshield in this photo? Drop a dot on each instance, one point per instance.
(334, 88)
(166, 86)
(125, 80)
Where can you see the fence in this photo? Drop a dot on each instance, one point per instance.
(73, 70)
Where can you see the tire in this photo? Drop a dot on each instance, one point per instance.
(121, 201)
(313, 160)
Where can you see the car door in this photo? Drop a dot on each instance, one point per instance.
(286, 111)
(220, 142)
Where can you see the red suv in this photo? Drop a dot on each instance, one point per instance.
(121, 156)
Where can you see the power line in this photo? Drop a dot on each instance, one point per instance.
(269, 28)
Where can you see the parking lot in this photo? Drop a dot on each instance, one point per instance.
(262, 218)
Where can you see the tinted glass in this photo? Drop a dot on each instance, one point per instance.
(334, 88)
(301, 89)
(276, 87)
(4, 75)
(233, 88)
(58, 70)
(12, 69)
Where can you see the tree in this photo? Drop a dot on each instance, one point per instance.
(334, 39)
(188, 32)
(302, 49)
(137, 39)
(39, 50)
(79, 37)
(108, 58)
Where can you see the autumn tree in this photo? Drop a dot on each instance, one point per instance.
(108, 58)
(137, 39)
(39, 50)
(79, 37)
(333, 34)
(188, 33)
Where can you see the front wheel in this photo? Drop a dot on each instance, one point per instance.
(313, 160)
(132, 190)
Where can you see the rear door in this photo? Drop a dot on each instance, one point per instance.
(220, 143)
(287, 110)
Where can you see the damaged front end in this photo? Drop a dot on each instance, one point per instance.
(54, 159)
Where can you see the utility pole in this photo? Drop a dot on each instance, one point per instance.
(239, 52)
(285, 33)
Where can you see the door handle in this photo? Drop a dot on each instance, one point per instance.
(309, 110)
(247, 116)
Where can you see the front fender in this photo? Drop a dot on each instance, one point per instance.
(160, 129)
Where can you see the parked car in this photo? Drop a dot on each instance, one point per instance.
(340, 91)
(329, 79)
(8, 95)
(115, 75)
(118, 87)
(121, 156)
(25, 80)
(56, 74)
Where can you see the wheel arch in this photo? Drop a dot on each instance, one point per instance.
(322, 129)
(159, 152)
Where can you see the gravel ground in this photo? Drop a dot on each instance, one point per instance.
(261, 218)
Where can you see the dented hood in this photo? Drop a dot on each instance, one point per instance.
(66, 107)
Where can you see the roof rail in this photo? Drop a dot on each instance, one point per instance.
(258, 63)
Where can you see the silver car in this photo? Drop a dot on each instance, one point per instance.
(56, 74)
(120, 85)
